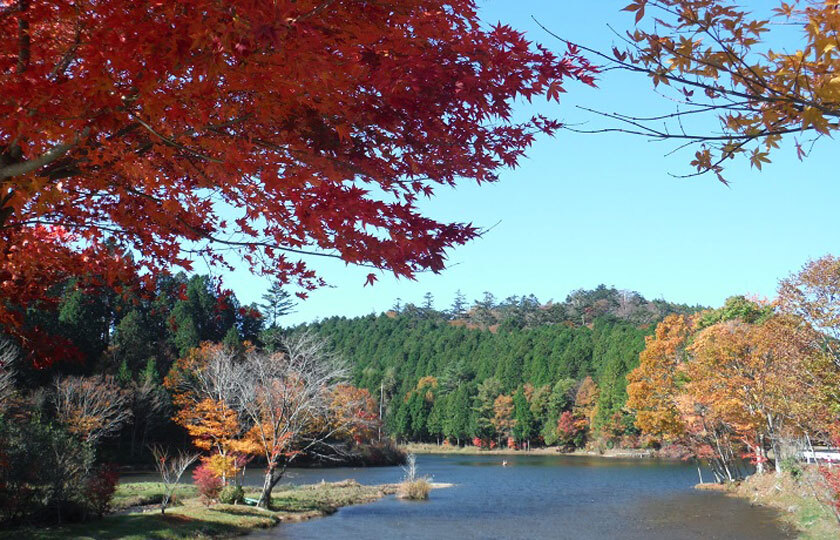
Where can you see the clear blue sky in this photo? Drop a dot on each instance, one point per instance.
(590, 209)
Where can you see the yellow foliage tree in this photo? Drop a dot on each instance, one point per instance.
(503, 420)
(653, 385)
(586, 400)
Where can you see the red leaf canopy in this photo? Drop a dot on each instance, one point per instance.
(267, 130)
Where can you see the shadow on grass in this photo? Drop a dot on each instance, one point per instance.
(179, 524)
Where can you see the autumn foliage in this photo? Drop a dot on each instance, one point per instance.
(273, 130)
(100, 488)
(738, 78)
(207, 482)
(745, 381)
(354, 413)
(570, 429)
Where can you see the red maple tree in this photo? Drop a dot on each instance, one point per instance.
(265, 130)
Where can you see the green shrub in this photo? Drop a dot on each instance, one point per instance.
(55, 489)
(232, 495)
(792, 465)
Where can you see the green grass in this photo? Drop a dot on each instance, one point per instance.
(144, 493)
(191, 519)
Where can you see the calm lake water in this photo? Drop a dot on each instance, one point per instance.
(537, 497)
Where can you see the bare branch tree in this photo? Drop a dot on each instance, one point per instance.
(286, 396)
(92, 407)
(170, 468)
(217, 377)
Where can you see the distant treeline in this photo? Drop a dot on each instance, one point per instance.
(441, 373)
(518, 344)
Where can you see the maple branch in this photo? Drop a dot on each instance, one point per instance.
(28, 166)
(649, 131)
(70, 55)
(23, 37)
(172, 142)
(311, 13)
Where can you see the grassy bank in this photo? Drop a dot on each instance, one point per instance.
(137, 518)
(794, 498)
(431, 448)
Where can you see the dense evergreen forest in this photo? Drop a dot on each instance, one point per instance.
(441, 374)
(437, 373)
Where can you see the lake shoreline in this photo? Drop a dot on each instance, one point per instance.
(792, 497)
(136, 512)
(613, 453)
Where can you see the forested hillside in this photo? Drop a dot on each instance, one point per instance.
(488, 369)
(449, 374)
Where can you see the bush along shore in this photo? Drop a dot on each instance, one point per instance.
(136, 511)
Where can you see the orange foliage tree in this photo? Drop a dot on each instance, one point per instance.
(91, 407)
(652, 388)
(665, 408)
(215, 427)
(354, 413)
(733, 389)
(503, 420)
(271, 131)
(586, 400)
(813, 294)
(203, 388)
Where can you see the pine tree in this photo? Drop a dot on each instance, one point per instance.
(133, 340)
(428, 305)
(459, 305)
(233, 341)
(124, 374)
(523, 427)
(277, 303)
(484, 413)
(456, 424)
(150, 373)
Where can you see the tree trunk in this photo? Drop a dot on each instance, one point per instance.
(273, 475)
(811, 448)
(268, 485)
